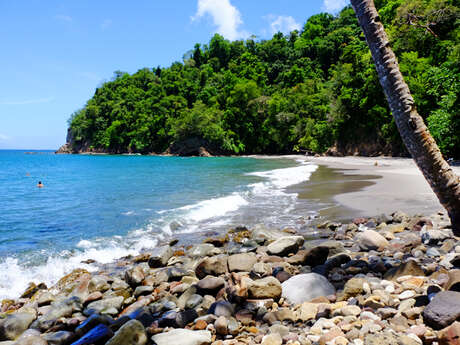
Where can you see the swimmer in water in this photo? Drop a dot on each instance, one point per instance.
(40, 184)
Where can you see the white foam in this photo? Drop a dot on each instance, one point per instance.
(212, 208)
(15, 277)
(285, 177)
(84, 244)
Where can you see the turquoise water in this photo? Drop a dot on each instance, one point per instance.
(105, 207)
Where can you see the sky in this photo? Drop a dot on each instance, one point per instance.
(55, 53)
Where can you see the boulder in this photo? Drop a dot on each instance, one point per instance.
(304, 287)
(30, 340)
(202, 250)
(443, 309)
(261, 232)
(400, 217)
(450, 335)
(58, 338)
(15, 324)
(181, 302)
(221, 308)
(409, 268)
(134, 276)
(352, 288)
(210, 285)
(176, 273)
(183, 337)
(434, 237)
(241, 262)
(453, 283)
(285, 245)
(57, 310)
(184, 317)
(307, 311)
(372, 240)
(316, 256)
(214, 266)
(381, 339)
(268, 287)
(108, 305)
(193, 301)
(143, 290)
(160, 256)
(221, 325)
(261, 269)
(272, 339)
(131, 333)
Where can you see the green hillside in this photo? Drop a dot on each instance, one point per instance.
(313, 90)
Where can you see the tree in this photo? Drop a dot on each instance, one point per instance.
(414, 133)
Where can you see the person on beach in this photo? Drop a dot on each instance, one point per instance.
(40, 184)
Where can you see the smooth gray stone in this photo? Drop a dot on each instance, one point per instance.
(443, 309)
(131, 333)
(304, 287)
(14, 325)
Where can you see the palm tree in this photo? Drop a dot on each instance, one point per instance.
(415, 135)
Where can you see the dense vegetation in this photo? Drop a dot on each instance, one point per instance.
(312, 90)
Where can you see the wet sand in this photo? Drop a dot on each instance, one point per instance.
(362, 186)
(326, 184)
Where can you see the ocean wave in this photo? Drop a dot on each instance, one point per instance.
(214, 207)
(15, 275)
(285, 177)
(267, 199)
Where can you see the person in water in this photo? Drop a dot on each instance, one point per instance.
(40, 184)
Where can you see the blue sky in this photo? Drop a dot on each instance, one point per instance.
(54, 53)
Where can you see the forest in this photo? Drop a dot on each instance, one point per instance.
(314, 90)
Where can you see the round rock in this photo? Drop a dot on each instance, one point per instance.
(304, 287)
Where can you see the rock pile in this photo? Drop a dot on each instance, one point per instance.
(386, 280)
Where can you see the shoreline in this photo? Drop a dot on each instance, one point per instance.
(344, 283)
(393, 184)
(349, 279)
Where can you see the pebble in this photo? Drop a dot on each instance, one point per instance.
(365, 283)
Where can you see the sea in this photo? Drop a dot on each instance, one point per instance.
(104, 207)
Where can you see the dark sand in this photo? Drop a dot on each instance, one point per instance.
(373, 186)
(326, 183)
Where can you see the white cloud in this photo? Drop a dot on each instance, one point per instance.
(3, 137)
(28, 101)
(224, 15)
(106, 23)
(64, 18)
(334, 6)
(284, 24)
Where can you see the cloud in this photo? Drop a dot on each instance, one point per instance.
(64, 18)
(28, 101)
(224, 15)
(106, 23)
(284, 24)
(4, 137)
(334, 6)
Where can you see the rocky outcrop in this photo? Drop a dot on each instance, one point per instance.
(193, 147)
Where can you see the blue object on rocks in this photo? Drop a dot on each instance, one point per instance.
(98, 333)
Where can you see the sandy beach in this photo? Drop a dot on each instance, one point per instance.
(374, 185)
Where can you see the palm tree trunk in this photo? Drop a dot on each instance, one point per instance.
(414, 133)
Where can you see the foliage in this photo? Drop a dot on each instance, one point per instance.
(309, 90)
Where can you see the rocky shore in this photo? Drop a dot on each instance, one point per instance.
(385, 280)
